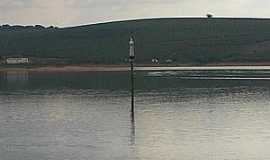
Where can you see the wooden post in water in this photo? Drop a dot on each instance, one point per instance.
(131, 60)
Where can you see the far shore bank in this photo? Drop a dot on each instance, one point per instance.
(125, 67)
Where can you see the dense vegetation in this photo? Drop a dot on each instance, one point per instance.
(190, 40)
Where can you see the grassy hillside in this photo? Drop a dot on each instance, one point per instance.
(190, 40)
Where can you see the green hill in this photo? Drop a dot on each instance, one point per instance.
(183, 40)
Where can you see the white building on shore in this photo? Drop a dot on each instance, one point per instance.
(17, 60)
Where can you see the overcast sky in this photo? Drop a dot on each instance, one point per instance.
(77, 12)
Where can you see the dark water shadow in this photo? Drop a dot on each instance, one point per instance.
(132, 129)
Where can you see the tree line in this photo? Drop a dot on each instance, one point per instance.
(28, 27)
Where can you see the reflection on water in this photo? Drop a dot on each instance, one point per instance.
(13, 79)
(14, 76)
(132, 129)
(87, 116)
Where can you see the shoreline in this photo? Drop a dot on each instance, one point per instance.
(139, 67)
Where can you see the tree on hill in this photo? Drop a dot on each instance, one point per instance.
(209, 15)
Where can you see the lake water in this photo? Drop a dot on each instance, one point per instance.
(189, 115)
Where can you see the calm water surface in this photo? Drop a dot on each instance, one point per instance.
(189, 115)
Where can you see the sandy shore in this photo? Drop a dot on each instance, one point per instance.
(90, 67)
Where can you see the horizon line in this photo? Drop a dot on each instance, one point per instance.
(140, 19)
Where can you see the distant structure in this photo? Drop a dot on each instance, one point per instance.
(17, 60)
(169, 61)
(155, 60)
(209, 15)
(2, 60)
